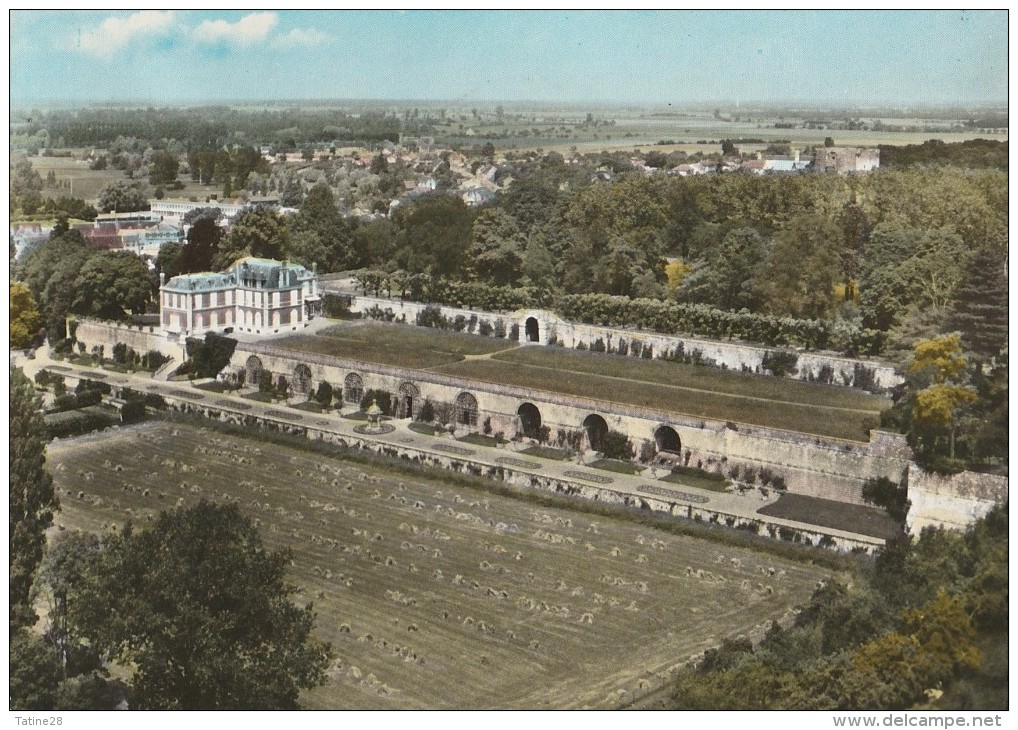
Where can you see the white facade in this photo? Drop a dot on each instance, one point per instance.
(257, 296)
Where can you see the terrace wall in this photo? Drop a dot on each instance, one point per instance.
(140, 338)
(811, 465)
(766, 526)
(728, 355)
(953, 501)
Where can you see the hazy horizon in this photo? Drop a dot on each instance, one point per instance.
(648, 59)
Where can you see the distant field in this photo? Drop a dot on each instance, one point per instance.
(79, 181)
(397, 345)
(440, 597)
(561, 130)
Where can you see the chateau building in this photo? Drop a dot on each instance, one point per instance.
(258, 296)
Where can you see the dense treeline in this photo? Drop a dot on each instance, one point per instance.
(973, 153)
(924, 626)
(213, 126)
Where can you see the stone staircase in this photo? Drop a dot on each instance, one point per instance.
(167, 369)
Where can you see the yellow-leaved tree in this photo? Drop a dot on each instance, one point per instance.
(936, 407)
(25, 318)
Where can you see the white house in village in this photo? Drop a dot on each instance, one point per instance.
(257, 296)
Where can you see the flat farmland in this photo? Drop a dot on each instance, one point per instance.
(439, 596)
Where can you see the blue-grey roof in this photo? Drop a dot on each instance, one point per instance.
(266, 273)
(205, 281)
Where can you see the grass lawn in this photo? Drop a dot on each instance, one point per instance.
(399, 345)
(311, 406)
(619, 467)
(548, 612)
(479, 439)
(865, 520)
(426, 428)
(716, 405)
(697, 377)
(548, 452)
(214, 386)
(697, 478)
(258, 396)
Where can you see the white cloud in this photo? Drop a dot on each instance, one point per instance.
(249, 29)
(301, 38)
(115, 33)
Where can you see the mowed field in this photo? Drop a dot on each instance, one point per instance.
(397, 345)
(438, 596)
(691, 390)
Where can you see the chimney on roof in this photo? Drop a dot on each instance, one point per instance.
(162, 279)
(797, 155)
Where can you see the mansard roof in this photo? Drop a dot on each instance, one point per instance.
(248, 271)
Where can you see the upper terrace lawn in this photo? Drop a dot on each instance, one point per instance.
(696, 377)
(687, 389)
(397, 345)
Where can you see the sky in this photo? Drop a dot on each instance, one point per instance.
(653, 57)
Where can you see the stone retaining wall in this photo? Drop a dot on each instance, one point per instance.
(736, 356)
(810, 465)
(140, 338)
(518, 477)
(953, 501)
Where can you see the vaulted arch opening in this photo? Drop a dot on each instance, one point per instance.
(302, 379)
(466, 409)
(668, 440)
(596, 429)
(530, 420)
(533, 329)
(253, 370)
(353, 388)
(409, 400)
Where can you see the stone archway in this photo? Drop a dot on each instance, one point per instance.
(667, 439)
(302, 379)
(409, 401)
(533, 329)
(596, 429)
(253, 371)
(530, 420)
(353, 389)
(466, 409)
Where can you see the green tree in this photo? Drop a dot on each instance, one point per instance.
(163, 168)
(321, 234)
(798, 278)
(980, 310)
(50, 272)
(35, 672)
(31, 494)
(259, 232)
(25, 320)
(112, 284)
(434, 235)
(120, 197)
(725, 276)
(203, 240)
(497, 248)
(201, 612)
(905, 270)
(168, 261)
